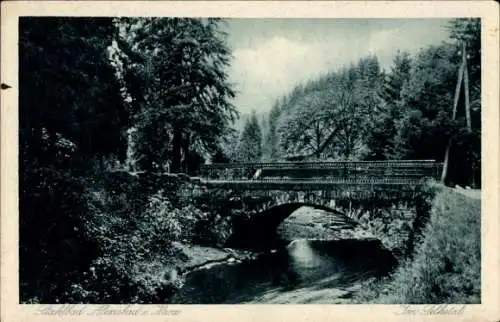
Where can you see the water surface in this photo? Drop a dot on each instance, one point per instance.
(304, 271)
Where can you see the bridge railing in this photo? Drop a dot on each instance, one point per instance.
(352, 170)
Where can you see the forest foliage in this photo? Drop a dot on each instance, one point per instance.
(362, 112)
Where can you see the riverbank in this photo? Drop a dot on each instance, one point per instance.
(446, 266)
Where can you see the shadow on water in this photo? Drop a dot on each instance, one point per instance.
(303, 271)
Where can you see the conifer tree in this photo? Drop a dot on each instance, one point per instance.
(251, 140)
(183, 94)
(271, 141)
(381, 139)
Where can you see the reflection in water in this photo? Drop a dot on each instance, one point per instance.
(302, 254)
(302, 272)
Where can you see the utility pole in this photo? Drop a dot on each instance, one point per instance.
(462, 76)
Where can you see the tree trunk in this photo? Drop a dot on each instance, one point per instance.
(176, 150)
(318, 153)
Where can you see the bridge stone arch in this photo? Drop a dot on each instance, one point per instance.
(269, 211)
(267, 199)
(273, 216)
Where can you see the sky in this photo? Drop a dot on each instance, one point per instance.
(271, 56)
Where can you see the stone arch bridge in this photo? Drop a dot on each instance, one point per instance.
(273, 191)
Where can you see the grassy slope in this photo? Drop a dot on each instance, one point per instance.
(446, 267)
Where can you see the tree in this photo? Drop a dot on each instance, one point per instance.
(304, 129)
(361, 93)
(185, 99)
(271, 141)
(330, 117)
(250, 148)
(228, 150)
(427, 98)
(398, 76)
(380, 140)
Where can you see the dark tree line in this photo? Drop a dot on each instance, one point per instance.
(364, 113)
(70, 112)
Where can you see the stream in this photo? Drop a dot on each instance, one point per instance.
(304, 270)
